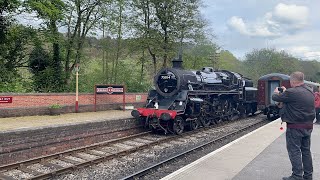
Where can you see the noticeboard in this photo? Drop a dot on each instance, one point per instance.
(109, 89)
(5, 99)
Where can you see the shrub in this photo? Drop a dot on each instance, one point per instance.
(55, 106)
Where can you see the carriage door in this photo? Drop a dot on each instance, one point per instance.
(272, 85)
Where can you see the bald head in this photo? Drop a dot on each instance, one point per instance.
(296, 79)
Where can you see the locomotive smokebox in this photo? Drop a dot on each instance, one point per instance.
(177, 63)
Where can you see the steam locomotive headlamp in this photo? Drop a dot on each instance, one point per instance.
(135, 113)
(165, 116)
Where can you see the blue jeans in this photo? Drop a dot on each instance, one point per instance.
(298, 146)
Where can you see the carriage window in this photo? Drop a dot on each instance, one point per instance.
(272, 85)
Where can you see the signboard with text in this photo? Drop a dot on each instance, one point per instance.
(109, 89)
(5, 99)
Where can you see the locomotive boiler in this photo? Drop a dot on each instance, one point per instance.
(185, 99)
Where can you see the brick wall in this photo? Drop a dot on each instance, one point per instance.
(65, 99)
(38, 103)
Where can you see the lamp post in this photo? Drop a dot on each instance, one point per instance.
(77, 68)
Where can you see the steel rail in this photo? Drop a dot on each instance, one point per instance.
(68, 152)
(145, 171)
(100, 157)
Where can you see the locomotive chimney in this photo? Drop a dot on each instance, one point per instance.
(177, 63)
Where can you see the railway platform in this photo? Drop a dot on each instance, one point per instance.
(31, 122)
(23, 138)
(259, 155)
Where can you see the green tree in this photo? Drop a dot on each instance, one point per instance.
(6, 9)
(52, 13)
(13, 51)
(311, 69)
(43, 73)
(12, 44)
(265, 61)
(164, 25)
(82, 16)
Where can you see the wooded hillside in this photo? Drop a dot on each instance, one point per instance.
(118, 42)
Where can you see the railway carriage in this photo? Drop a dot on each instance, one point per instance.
(192, 99)
(266, 86)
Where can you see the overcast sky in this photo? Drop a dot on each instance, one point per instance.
(242, 25)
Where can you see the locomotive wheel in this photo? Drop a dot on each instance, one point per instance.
(228, 111)
(254, 109)
(152, 129)
(194, 124)
(144, 121)
(248, 110)
(205, 121)
(178, 125)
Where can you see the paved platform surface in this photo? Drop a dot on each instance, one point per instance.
(260, 155)
(15, 123)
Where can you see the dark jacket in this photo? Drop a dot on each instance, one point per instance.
(298, 105)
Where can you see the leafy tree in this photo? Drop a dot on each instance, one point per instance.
(38, 60)
(40, 66)
(311, 69)
(13, 51)
(265, 61)
(51, 12)
(11, 47)
(229, 62)
(165, 23)
(6, 8)
(82, 16)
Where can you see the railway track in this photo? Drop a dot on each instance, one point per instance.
(69, 160)
(141, 173)
(61, 163)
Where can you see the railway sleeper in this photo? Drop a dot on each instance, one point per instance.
(29, 171)
(5, 177)
(94, 153)
(51, 165)
(74, 162)
(81, 157)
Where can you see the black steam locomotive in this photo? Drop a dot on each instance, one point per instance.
(191, 99)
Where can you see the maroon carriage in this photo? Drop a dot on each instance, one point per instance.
(266, 86)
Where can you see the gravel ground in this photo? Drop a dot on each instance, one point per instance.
(120, 167)
(40, 168)
(61, 163)
(17, 174)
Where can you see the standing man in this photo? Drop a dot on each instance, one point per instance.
(298, 112)
(317, 103)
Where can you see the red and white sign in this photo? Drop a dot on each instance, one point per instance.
(110, 90)
(5, 99)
